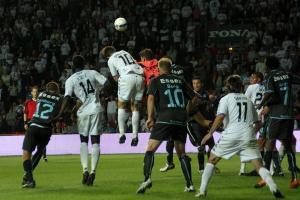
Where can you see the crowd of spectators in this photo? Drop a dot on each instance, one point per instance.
(38, 39)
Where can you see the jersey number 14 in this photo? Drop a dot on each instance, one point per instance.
(88, 88)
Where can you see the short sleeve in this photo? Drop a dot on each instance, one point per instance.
(112, 67)
(269, 85)
(100, 78)
(152, 90)
(69, 87)
(248, 92)
(223, 107)
(26, 107)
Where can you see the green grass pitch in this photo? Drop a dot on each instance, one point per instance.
(118, 177)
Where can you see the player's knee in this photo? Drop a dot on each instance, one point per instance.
(201, 150)
(84, 139)
(185, 158)
(26, 155)
(95, 139)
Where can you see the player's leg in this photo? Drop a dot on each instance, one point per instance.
(276, 160)
(122, 118)
(83, 124)
(286, 138)
(267, 177)
(95, 128)
(124, 94)
(185, 163)
(45, 155)
(211, 143)
(137, 92)
(160, 132)
(292, 162)
(37, 156)
(208, 173)
(95, 155)
(153, 144)
(294, 142)
(170, 164)
(84, 157)
(196, 134)
(135, 107)
(29, 145)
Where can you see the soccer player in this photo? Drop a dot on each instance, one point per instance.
(278, 98)
(255, 92)
(241, 124)
(40, 130)
(195, 128)
(168, 94)
(29, 109)
(85, 85)
(129, 76)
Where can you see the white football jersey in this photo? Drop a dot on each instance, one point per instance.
(86, 85)
(122, 63)
(255, 92)
(240, 114)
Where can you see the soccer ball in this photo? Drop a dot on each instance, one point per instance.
(120, 24)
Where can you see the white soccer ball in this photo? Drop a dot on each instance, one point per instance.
(120, 24)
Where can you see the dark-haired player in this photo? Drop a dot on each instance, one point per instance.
(278, 98)
(85, 85)
(40, 130)
(169, 95)
(241, 124)
(129, 76)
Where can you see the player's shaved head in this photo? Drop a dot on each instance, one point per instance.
(167, 58)
(107, 51)
(52, 87)
(164, 65)
(234, 83)
(147, 54)
(78, 61)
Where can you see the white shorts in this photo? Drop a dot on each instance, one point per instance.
(131, 87)
(90, 124)
(247, 150)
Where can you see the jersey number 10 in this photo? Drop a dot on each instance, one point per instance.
(88, 89)
(175, 102)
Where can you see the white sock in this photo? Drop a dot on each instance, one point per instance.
(243, 166)
(272, 168)
(84, 156)
(281, 151)
(95, 157)
(266, 176)
(135, 123)
(206, 176)
(122, 117)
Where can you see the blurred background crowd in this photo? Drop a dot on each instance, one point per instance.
(212, 38)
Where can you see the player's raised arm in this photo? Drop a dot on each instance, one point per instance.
(106, 52)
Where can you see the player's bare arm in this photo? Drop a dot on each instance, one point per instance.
(150, 109)
(216, 124)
